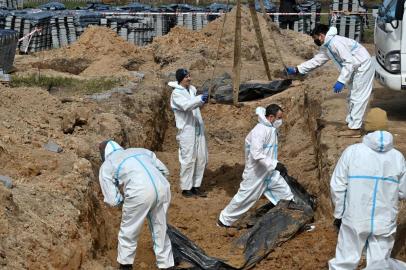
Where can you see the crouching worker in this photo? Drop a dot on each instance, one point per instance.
(146, 195)
(262, 172)
(366, 186)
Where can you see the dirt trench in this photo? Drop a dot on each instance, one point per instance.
(78, 231)
(57, 205)
(104, 221)
(54, 216)
(226, 128)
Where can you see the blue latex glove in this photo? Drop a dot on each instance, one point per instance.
(291, 70)
(338, 87)
(205, 97)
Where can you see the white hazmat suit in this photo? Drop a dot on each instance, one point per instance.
(191, 138)
(356, 71)
(366, 186)
(259, 176)
(147, 195)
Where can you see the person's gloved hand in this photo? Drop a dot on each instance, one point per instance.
(291, 70)
(281, 168)
(205, 96)
(338, 87)
(337, 224)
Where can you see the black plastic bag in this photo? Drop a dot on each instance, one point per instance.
(184, 250)
(277, 226)
(251, 90)
(302, 197)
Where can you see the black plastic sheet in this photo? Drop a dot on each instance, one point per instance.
(222, 89)
(302, 197)
(38, 17)
(251, 90)
(136, 7)
(277, 226)
(52, 6)
(269, 226)
(8, 45)
(184, 250)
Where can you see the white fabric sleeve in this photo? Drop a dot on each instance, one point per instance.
(257, 150)
(319, 59)
(402, 182)
(184, 104)
(109, 185)
(339, 182)
(159, 165)
(347, 68)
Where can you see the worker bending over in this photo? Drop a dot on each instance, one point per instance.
(146, 195)
(356, 72)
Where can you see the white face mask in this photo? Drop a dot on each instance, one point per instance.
(277, 123)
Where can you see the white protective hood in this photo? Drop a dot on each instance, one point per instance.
(330, 34)
(176, 85)
(379, 141)
(261, 111)
(111, 147)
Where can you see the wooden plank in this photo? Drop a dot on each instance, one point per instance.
(251, 5)
(271, 27)
(237, 55)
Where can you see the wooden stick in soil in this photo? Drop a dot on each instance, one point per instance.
(255, 22)
(237, 55)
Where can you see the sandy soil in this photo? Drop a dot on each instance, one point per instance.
(54, 217)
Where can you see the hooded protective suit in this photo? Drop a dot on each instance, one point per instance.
(192, 142)
(356, 71)
(259, 176)
(366, 186)
(147, 195)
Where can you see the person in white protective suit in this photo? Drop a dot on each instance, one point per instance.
(262, 172)
(146, 195)
(366, 186)
(191, 138)
(356, 72)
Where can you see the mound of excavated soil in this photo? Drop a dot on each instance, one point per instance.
(197, 50)
(99, 51)
(97, 42)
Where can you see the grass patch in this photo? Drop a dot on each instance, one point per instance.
(368, 35)
(88, 86)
